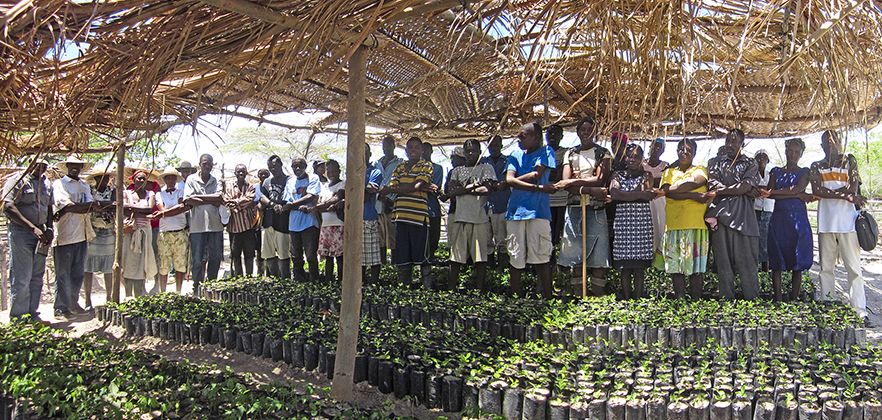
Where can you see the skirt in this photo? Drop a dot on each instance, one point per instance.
(790, 241)
(685, 251)
(139, 262)
(330, 241)
(596, 238)
(101, 252)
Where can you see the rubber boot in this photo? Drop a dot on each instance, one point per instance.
(405, 275)
(285, 269)
(426, 276)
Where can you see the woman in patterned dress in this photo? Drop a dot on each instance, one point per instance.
(632, 226)
(331, 234)
(790, 234)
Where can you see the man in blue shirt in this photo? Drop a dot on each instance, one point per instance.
(301, 194)
(528, 219)
(434, 204)
(498, 203)
(387, 164)
(370, 252)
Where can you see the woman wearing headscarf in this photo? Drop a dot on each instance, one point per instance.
(139, 261)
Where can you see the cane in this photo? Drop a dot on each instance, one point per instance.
(584, 252)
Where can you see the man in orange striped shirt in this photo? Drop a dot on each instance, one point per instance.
(835, 180)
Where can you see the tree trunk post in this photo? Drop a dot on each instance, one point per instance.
(4, 270)
(120, 216)
(347, 338)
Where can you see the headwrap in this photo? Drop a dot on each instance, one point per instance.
(134, 175)
(620, 135)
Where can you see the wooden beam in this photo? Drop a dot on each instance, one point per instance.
(120, 189)
(263, 120)
(268, 15)
(350, 307)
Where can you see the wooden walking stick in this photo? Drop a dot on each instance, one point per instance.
(584, 251)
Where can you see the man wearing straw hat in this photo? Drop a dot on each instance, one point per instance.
(72, 199)
(174, 239)
(27, 200)
(185, 169)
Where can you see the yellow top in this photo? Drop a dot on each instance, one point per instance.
(684, 214)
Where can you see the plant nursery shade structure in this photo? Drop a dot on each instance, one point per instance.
(445, 70)
(442, 69)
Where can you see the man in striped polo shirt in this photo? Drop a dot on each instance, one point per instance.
(835, 180)
(411, 181)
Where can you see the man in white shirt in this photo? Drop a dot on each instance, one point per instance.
(173, 241)
(763, 208)
(73, 202)
(835, 180)
(203, 194)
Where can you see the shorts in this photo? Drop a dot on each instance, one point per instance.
(413, 244)
(173, 249)
(529, 242)
(370, 244)
(387, 230)
(330, 241)
(468, 240)
(275, 243)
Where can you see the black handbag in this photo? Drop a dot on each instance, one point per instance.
(867, 230)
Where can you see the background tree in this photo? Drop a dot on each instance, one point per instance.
(263, 142)
(869, 157)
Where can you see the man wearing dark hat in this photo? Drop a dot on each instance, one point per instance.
(186, 169)
(27, 205)
(73, 202)
(319, 167)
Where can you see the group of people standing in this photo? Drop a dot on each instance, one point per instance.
(607, 208)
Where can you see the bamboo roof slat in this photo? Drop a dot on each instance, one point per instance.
(440, 69)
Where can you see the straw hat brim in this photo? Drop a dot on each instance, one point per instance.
(62, 166)
(152, 175)
(165, 174)
(90, 178)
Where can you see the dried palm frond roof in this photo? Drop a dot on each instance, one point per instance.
(445, 70)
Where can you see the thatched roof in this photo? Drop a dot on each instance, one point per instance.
(440, 69)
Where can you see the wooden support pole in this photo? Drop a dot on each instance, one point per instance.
(347, 338)
(120, 216)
